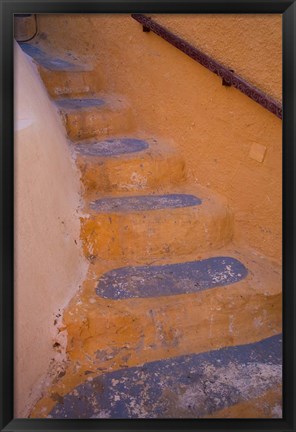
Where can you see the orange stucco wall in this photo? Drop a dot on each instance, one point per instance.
(251, 45)
(231, 144)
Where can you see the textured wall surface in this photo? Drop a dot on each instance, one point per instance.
(230, 143)
(251, 45)
(48, 264)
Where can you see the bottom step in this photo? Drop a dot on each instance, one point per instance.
(190, 386)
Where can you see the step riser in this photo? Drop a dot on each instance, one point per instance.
(100, 124)
(133, 174)
(153, 234)
(138, 331)
(68, 83)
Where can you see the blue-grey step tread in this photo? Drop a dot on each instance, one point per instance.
(189, 386)
(80, 103)
(144, 203)
(47, 61)
(170, 279)
(112, 147)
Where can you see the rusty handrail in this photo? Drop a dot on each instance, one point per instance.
(229, 78)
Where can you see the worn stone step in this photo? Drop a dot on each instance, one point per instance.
(155, 225)
(96, 116)
(190, 386)
(128, 164)
(61, 76)
(137, 314)
(71, 83)
(170, 279)
(106, 335)
(49, 61)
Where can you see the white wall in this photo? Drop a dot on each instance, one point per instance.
(48, 264)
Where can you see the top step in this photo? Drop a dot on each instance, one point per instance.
(62, 77)
(48, 61)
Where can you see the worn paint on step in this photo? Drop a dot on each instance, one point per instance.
(96, 117)
(190, 386)
(76, 104)
(127, 164)
(144, 202)
(47, 61)
(151, 226)
(112, 147)
(172, 279)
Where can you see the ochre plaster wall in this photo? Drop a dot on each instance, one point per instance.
(230, 143)
(48, 264)
(251, 45)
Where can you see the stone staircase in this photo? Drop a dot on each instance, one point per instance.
(173, 319)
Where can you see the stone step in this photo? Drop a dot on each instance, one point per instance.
(155, 225)
(49, 61)
(97, 117)
(71, 83)
(63, 77)
(190, 386)
(105, 335)
(128, 164)
(170, 279)
(124, 316)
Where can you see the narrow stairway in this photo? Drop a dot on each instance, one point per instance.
(173, 319)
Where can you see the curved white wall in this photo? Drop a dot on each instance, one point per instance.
(48, 264)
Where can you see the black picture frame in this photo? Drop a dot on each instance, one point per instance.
(10, 7)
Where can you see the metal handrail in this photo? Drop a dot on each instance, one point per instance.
(229, 77)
